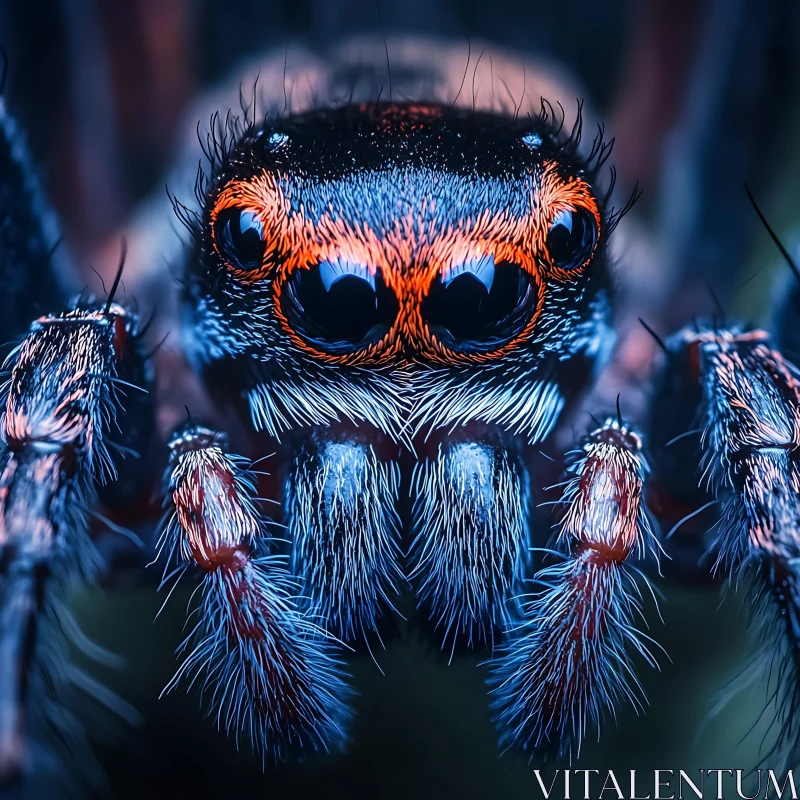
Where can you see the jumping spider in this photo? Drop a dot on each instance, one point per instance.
(403, 299)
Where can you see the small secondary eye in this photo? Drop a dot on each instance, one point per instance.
(571, 238)
(340, 304)
(239, 237)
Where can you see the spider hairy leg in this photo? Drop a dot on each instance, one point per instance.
(342, 499)
(63, 406)
(273, 674)
(472, 530)
(569, 661)
(750, 415)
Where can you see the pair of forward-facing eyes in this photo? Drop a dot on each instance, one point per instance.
(473, 300)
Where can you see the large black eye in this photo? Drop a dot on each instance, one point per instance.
(571, 238)
(340, 304)
(239, 237)
(479, 305)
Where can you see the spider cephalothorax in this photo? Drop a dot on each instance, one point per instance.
(412, 266)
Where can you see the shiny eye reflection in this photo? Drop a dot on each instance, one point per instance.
(239, 236)
(333, 271)
(571, 238)
(477, 304)
(339, 304)
(482, 269)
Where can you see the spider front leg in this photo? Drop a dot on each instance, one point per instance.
(271, 671)
(76, 416)
(63, 407)
(342, 499)
(471, 524)
(747, 436)
(567, 662)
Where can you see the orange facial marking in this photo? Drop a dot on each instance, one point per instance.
(410, 255)
(263, 197)
(555, 194)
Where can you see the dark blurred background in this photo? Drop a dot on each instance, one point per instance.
(701, 95)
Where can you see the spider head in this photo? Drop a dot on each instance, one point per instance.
(365, 262)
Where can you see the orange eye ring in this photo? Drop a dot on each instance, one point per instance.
(567, 224)
(249, 227)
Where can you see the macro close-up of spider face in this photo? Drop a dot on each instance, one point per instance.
(406, 328)
(369, 261)
(413, 425)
